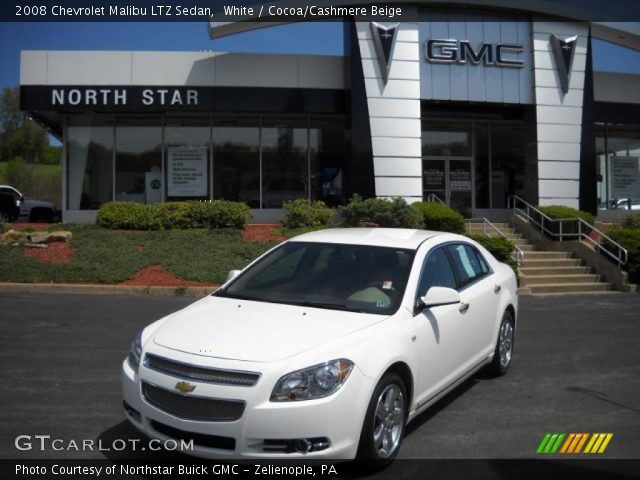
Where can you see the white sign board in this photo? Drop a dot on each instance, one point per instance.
(187, 172)
(625, 177)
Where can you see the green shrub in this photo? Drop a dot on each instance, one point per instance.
(127, 215)
(219, 214)
(632, 221)
(437, 216)
(302, 213)
(629, 238)
(501, 248)
(560, 211)
(394, 213)
(173, 215)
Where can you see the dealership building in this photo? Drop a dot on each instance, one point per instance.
(471, 104)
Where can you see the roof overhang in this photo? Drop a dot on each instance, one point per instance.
(610, 26)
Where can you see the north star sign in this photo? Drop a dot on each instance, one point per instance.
(448, 51)
(120, 97)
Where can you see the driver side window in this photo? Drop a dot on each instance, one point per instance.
(436, 272)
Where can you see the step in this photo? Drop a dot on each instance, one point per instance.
(546, 262)
(564, 288)
(479, 228)
(528, 281)
(526, 248)
(520, 241)
(553, 270)
(540, 255)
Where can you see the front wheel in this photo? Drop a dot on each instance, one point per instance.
(504, 346)
(384, 422)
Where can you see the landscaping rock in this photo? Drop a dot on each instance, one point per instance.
(60, 236)
(35, 245)
(47, 237)
(38, 237)
(12, 236)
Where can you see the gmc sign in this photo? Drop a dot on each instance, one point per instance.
(449, 51)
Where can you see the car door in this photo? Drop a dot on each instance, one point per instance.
(440, 331)
(479, 295)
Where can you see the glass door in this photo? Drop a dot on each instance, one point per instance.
(451, 180)
(460, 185)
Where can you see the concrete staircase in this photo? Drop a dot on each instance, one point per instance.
(548, 273)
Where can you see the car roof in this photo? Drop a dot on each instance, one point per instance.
(379, 237)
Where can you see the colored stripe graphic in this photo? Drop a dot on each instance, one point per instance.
(573, 443)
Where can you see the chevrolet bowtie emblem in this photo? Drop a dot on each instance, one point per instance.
(185, 387)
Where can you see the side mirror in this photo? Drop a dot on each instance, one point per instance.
(437, 296)
(232, 274)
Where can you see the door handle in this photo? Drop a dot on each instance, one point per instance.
(497, 288)
(463, 307)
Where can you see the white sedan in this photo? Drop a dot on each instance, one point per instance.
(324, 347)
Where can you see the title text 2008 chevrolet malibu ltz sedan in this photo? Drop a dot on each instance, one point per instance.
(325, 346)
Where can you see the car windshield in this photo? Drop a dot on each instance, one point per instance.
(359, 278)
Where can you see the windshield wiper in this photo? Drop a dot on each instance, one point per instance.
(329, 306)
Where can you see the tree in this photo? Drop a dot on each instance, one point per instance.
(19, 134)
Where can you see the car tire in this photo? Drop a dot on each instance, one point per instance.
(503, 353)
(384, 422)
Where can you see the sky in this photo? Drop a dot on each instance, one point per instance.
(324, 38)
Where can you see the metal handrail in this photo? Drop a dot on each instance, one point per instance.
(620, 257)
(519, 254)
(432, 197)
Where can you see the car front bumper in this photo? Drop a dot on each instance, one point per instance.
(337, 418)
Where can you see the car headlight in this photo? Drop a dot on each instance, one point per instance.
(136, 352)
(314, 382)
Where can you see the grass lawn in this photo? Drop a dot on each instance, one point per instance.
(107, 256)
(53, 171)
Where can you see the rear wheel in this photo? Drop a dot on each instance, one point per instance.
(504, 346)
(384, 422)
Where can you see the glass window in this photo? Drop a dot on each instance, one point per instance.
(446, 139)
(466, 263)
(139, 160)
(358, 278)
(236, 160)
(285, 161)
(327, 150)
(483, 166)
(89, 162)
(436, 272)
(618, 155)
(187, 158)
(507, 162)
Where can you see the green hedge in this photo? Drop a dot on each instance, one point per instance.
(629, 238)
(437, 216)
(560, 211)
(301, 213)
(394, 213)
(173, 215)
(500, 247)
(632, 221)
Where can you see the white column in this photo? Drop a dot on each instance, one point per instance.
(559, 115)
(394, 113)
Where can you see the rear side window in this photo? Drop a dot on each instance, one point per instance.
(468, 264)
(436, 272)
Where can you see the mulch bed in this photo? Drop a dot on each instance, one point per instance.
(262, 233)
(37, 227)
(155, 275)
(56, 252)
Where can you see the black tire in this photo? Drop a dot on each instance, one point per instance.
(367, 449)
(501, 363)
(41, 215)
(5, 217)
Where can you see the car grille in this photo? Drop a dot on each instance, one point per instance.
(210, 375)
(199, 439)
(191, 407)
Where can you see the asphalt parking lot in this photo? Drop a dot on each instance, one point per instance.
(576, 368)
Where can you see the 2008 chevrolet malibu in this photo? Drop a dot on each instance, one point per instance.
(325, 346)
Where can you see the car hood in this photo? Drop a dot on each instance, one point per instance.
(255, 331)
(37, 203)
